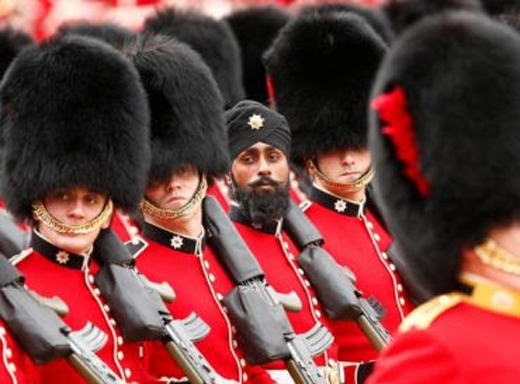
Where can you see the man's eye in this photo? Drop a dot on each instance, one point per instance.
(274, 156)
(247, 159)
(91, 199)
(62, 196)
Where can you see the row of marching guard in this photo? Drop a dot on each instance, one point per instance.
(316, 197)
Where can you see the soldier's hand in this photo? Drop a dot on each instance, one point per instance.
(331, 375)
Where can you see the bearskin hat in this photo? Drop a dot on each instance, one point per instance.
(74, 113)
(186, 107)
(445, 138)
(404, 13)
(212, 39)
(373, 16)
(255, 29)
(511, 19)
(112, 34)
(499, 7)
(11, 43)
(322, 67)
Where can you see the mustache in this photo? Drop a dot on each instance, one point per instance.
(264, 180)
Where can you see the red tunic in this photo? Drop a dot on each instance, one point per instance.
(199, 282)
(276, 254)
(220, 191)
(464, 344)
(15, 366)
(356, 240)
(54, 272)
(124, 227)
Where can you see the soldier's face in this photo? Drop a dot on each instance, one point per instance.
(73, 206)
(176, 191)
(344, 166)
(261, 167)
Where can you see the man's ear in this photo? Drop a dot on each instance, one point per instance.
(228, 180)
(310, 169)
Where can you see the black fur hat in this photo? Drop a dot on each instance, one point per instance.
(373, 16)
(404, 13)
(112, 34)
(449, 175)
(186, 107)
(322, 67)
(255, 29)
(12, 42)
(212, 39)
(74, 113)
(499, 7)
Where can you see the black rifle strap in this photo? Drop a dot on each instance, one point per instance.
(8, 273)
(108, 249)
(299, 228)
(229, 247)
(136, 307)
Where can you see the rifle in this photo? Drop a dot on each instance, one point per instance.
(302, 348)
(142, 299)
(334, 286)
(83, 345)
(263, 328)
(44, 336)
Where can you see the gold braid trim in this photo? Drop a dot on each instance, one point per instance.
(170, 214)
(490, 253)
(42, 215)
(355, 186)
(424, 315)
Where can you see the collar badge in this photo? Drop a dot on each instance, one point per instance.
(62, 257)
(340, 206)
(176, 242)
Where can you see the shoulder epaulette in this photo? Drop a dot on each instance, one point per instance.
(18, 258)
(136, 246)
(304, 205)
(424, 315)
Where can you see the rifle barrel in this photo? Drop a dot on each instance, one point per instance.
(377, 341)
(83, 369)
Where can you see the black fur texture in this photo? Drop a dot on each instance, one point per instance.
(499, 7)
(212, 39)
(113, 34)
(186, 107)
(373, 16)
(461, 76)
(12, 42)
(255, 29)
(322, 67)
(404, 13)
(74, 113)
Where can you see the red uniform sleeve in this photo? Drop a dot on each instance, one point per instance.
(258, 375)
(415, 357)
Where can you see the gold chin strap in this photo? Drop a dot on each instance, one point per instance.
(355, 186)
(490, 253)
(42, 215)
(170, 214)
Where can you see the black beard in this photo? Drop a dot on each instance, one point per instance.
(265, 206)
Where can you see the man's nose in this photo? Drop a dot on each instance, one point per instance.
(348, 159)
(264, 168)
(77, 210)
(173, 184)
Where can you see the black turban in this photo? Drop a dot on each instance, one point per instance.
(250, 122)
